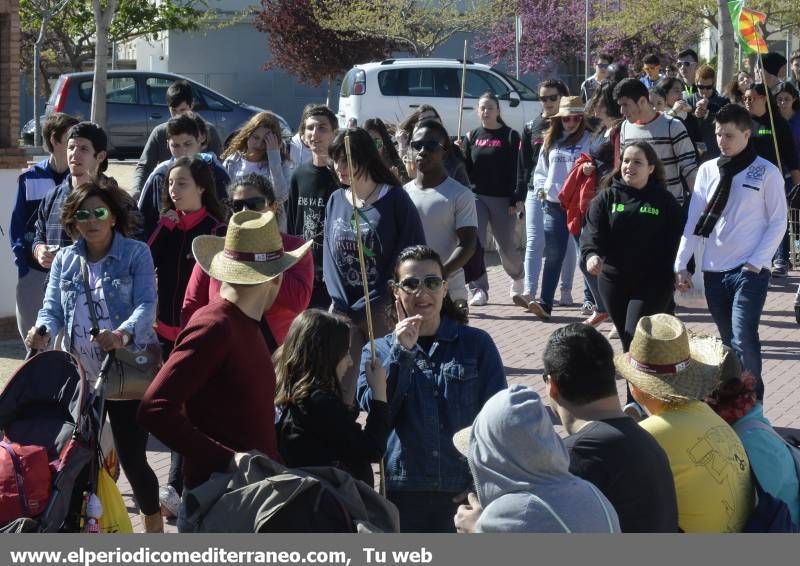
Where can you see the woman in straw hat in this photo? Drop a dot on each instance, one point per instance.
(214, 396)
(670, 374)
(388, 222)
(564, 141)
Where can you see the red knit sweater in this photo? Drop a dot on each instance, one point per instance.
(215, 394)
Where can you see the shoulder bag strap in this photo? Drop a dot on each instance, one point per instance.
(88, 291)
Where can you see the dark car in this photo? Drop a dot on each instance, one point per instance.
(136, 103)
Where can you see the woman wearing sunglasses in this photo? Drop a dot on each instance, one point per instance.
(385, 146)
(564, 141)
(122, 284)
(254, 192)
(439, 372)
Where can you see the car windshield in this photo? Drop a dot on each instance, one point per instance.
(525, 92)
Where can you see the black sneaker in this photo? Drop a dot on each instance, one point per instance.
(780, 271)
(797, 313)
(541, 310)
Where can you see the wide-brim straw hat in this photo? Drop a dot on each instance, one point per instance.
(570, 106)
(668, 364)
(250, 253)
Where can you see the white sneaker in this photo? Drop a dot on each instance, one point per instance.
(566, 299)
(479, 298)
(517, 287)
(613, 333)
(170, 501)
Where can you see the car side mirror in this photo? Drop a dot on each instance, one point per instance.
(513, 99)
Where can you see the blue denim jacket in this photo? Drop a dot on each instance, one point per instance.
(129, 285)
(432, 395)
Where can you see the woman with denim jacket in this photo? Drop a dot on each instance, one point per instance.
(440, 372)
(123, 289)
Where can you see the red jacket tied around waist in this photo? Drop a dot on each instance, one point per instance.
(577, 192)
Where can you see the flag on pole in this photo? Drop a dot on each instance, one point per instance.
(746, 24)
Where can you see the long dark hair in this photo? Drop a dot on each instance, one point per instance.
(389, 151)
(203, 177)
(556, 130)
(366, 159)
(315, 344)
(424, 253)
(650, 154)
(410, 123)
(119, 203)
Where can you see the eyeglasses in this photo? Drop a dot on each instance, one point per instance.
(705, 87)
(83, 215)
(412, 284)
(550, 97)
(252, 203)
(378, 143)
(427, 145)
(571, 119)
(685, 63)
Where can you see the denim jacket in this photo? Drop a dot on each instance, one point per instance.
(432, 395)
(129, 286)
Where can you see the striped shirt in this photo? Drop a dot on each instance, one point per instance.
(669, 139)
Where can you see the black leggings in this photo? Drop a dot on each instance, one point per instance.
(131, 443)
(627, 299)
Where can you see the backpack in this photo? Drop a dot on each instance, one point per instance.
(771, 515)
(25, 481)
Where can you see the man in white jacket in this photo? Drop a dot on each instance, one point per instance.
(738, 208)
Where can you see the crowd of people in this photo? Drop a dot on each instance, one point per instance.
(255, 268)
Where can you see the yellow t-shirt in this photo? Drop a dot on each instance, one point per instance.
(710, 467)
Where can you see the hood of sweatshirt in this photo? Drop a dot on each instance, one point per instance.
(513, 446)
(521, 471)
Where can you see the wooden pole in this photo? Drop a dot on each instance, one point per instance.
(463, 83)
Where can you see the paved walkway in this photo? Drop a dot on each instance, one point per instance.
(520, 338)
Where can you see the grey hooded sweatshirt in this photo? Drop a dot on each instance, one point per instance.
(521, 472)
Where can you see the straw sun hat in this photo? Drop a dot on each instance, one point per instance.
(668, 364)
(251, 253)
(570, 106)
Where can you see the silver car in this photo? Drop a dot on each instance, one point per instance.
(136, 103)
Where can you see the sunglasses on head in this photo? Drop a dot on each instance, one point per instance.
(427, 145)
(252, 203)
(413, 284)
(83, 215)
(570, 119)
(550, 97)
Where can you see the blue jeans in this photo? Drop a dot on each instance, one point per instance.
(735, 300)
(556, 245)
(782, 254)
(534, 248)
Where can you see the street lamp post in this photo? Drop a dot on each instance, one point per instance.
(586, 40)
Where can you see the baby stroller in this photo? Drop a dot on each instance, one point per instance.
(49, 403)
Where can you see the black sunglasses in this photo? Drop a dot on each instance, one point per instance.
(602, 65)
(550, 97)
(685, 63)
(412, 284)
(427, 145)
(252, 203)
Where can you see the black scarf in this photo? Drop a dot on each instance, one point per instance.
(729, 167)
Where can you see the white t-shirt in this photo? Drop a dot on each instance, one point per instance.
(89, 353)
(443, 210)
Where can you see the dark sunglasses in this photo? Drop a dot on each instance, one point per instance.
(83, 215)
(550, 97)
(601, 65)
(252, 203)
(427, 145)
(412, 284)
(570, 119)
(705, 87)
(685, 63)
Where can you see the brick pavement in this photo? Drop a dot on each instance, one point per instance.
(520, 337)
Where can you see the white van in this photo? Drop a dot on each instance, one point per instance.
(392, 89)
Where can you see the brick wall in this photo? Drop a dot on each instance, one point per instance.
(10, 155)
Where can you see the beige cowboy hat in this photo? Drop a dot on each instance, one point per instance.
(570, 106)
(251, 252)
(668, 364)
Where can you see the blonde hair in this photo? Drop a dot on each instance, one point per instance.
(266, 120)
